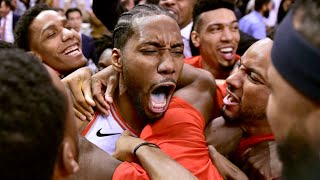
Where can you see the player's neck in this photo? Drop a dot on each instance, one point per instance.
(128, 113)
(258, 127)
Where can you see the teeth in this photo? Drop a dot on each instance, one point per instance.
(71, 49)
(226, 50)
(158, 105)
(231, 98)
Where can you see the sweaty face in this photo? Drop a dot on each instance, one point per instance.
(182, 9)
(295, 127)
(54, 41)
(152, 63)
(247, 89)
(217, 37)
(75, 20)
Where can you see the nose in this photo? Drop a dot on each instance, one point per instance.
(67, 34)
(167, 3)
(226, 34)
(167, 65)
(235, 80)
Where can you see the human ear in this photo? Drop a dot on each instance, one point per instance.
(69, 158)
(34, 53)
(116, 59)
(195, 39)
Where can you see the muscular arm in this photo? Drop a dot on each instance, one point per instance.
(197, 87)
(156, 163)
(161, 166)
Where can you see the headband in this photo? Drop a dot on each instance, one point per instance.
(296, 59)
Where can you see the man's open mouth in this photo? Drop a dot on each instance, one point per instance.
(72, 50)
(160, 97)
(227, 53)
(231, 99)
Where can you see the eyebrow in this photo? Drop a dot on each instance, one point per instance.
(52, 26)
(217, 24)
(157, 44)
(252, 70)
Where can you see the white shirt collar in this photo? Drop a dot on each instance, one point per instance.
(186, 31)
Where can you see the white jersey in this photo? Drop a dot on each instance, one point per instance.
(105, 131)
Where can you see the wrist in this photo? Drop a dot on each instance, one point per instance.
(143, 144)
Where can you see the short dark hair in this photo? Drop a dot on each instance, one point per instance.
(70, 10)
(124, 30)
(32, 117)
(308, 12)
(208, 5)
(258, 4)
(21, 32)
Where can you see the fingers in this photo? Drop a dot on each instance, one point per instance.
(213, 153)
(126, 133)
(111, 87)
(103, 110)
(97, 91)
(86, 89)
(79, 115)
(82, 111)
(227, 169)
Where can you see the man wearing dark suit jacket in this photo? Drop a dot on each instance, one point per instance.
(74, 17)
(8, 21)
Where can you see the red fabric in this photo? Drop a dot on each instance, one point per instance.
(195, 61)
(253, 141)
(179, 134)
(130, 171)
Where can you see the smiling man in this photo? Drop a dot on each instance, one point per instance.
(215, 33)
(47, 34)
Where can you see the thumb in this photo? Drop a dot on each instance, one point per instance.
(213, 153)
(126, 133)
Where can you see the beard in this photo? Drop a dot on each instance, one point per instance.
(300, 160)
(266, 14)
(245, 114)
(136, 96)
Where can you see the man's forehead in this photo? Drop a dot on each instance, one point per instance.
(155, 29)
(48, 16)
(221, 15)
(257, 57)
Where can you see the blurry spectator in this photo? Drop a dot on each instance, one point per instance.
(284, 9)
(59, 10)
(252, 23)
(8, 20)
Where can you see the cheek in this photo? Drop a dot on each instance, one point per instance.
(236, 36)
(254, 96)
(272, 113)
